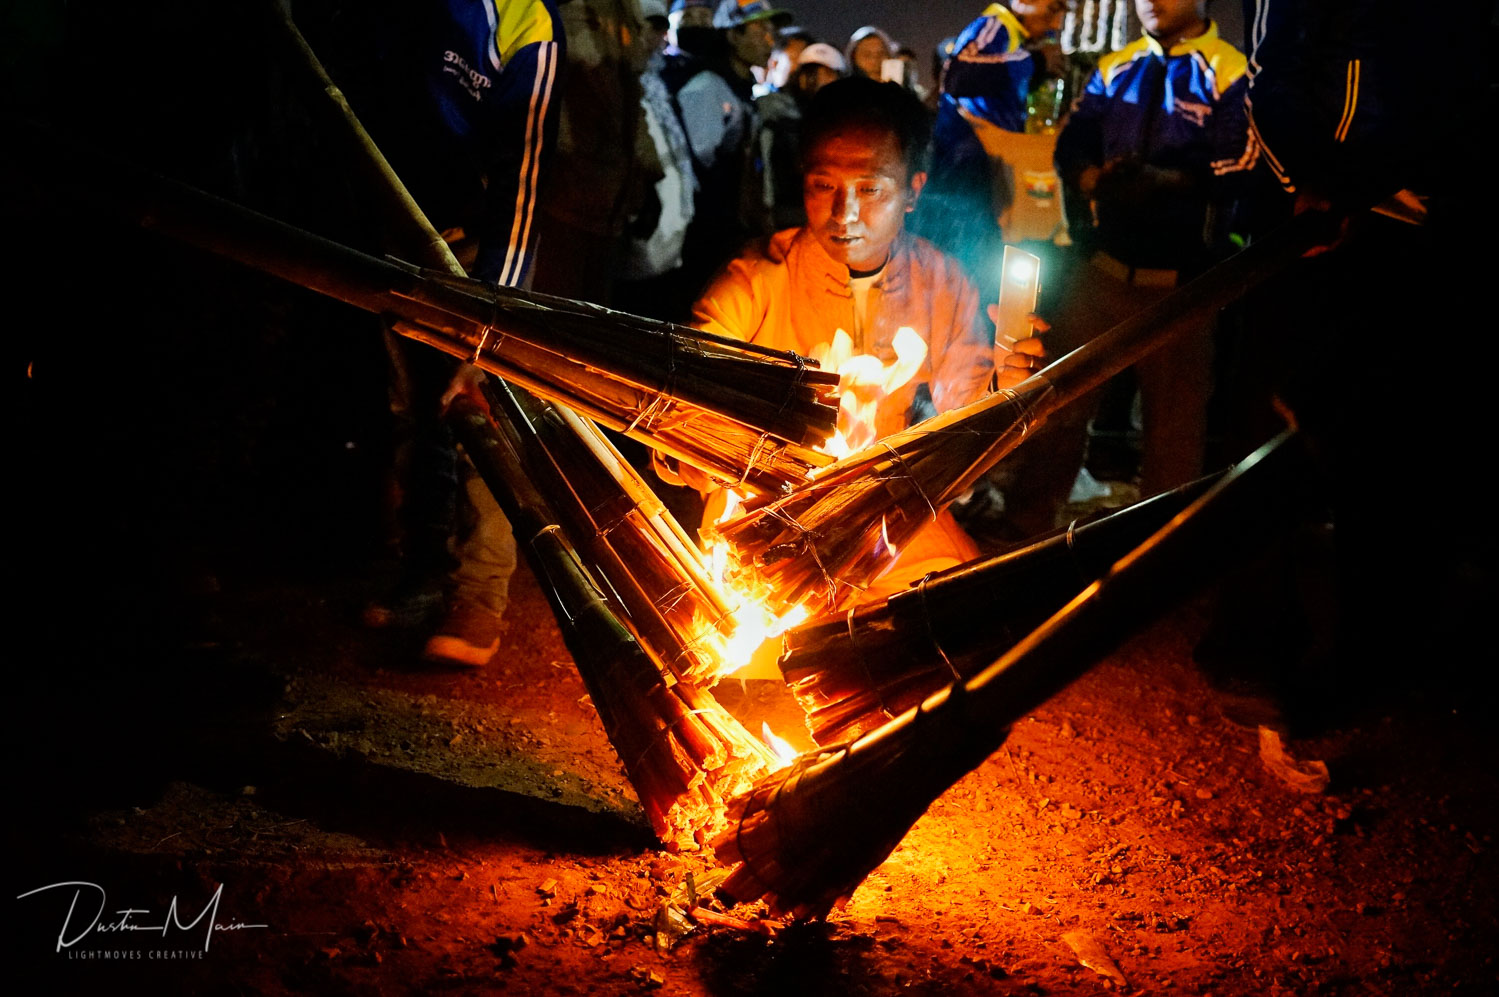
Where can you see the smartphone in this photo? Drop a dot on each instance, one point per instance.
(1019, 287)
(893, 71)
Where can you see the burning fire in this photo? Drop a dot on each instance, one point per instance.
(754, 623)
(785, 753)
(864, 382)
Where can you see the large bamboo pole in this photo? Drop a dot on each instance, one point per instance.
(743, 414)
(808, 835)
(854, 672)
(823, 543)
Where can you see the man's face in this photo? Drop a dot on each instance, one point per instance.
(752, 42)
(857, 195)
(870, 55)
(811, 78)
(1039, 17)
(1170, 18)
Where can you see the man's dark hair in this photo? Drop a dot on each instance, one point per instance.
(791, 33)
(860, 103)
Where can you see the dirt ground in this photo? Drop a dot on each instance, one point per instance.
(380, 828)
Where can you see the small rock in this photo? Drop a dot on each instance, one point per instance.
(548, 888)
(1204, 794)
(510, 943)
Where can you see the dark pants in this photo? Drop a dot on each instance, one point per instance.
(1176, 384)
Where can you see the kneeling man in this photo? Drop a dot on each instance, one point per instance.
(854, 269)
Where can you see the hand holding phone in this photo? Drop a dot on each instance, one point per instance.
(1019, 287)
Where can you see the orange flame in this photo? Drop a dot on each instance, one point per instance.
(864, 382)
(785, 753)
(754, 623)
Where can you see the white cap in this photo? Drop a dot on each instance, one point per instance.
(822, 54)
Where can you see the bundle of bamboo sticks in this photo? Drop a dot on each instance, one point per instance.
(683, 753)
(742, 414)
(855, 672)
(806, 836)
(636, 546)
(824, 542)
(745, 415)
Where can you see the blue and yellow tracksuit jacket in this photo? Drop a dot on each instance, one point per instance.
(471, 107)
(1180, 110)
(990, 71)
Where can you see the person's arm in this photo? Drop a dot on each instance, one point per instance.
(962, 358)
(730, 306)
(525, 133)
(1079, 153)
(989, 72)
(702, 101)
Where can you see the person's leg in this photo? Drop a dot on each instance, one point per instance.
(470, 634)
(1176, 383)
(1037, 478)
(424, 485)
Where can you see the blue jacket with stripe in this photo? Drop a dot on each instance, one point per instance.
(1169, 128)
(470, 109)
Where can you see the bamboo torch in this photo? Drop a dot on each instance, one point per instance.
(683, 753)
(603, 545)
(806, 836)
(822, 544)
(855, 672)
(745, 415)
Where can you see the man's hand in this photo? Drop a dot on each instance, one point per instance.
(1123, 180)
(1017, 359)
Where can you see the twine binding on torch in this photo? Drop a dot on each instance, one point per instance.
(853, 641)
(931, 632)
(753, 460)
(665, 730)
(801, 369)
(912, 479)
(479, 350)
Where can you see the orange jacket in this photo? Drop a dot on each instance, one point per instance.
(788, 294)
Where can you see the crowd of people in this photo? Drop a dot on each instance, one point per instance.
(713, 162)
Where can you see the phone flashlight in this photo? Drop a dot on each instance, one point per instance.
(1019, 286)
